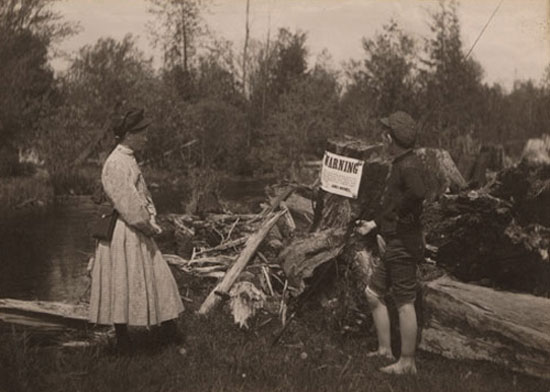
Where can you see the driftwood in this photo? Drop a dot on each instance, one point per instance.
(48, 316)
(252, 245)
(245, 300)
(464, 321)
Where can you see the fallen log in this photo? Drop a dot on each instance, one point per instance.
(252, 245)
(464, 321)
(47, 316)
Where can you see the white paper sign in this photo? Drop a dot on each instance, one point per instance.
(341, 175)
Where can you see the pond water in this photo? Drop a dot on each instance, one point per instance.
(43, 254)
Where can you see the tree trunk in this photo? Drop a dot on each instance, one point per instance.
(245, 49)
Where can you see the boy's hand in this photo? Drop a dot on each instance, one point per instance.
(364, 227)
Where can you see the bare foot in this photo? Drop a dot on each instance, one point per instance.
(382, 354)
(400, 368)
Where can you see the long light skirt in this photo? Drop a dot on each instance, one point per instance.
(131, 282)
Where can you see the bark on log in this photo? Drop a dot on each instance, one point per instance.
(230, 277)
(464, 321)
(306, 253)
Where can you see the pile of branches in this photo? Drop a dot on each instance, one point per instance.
(211, 246)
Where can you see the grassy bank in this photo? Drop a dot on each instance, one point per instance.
(312, 356)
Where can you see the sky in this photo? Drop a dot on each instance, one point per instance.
(515, 45)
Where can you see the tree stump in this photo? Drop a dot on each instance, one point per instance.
(332, 211)
(440, 172)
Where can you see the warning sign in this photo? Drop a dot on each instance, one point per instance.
(341, 175)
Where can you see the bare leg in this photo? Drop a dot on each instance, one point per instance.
(382, 323)
(408, 329)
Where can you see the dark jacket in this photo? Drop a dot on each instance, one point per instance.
(401, 208)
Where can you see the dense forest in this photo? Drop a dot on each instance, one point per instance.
(262, 108)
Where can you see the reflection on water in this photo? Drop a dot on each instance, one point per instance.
(43, 255)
